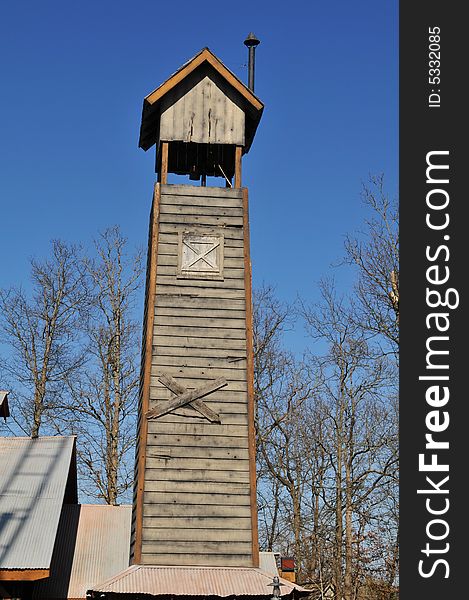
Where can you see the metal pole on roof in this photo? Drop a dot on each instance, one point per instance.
(251, 42)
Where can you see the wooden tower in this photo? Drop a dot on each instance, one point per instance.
(195, 485)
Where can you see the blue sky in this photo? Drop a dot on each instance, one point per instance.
(73, 77)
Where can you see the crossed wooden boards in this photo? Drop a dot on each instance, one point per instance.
(185, 397)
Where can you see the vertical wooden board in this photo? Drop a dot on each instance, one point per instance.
(144, 392)
(204, 114)
(250, 379)
(164, 162)
(238, 167)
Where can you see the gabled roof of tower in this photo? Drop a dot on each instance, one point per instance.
(250, 103)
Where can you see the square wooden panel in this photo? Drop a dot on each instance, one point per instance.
(200, 256)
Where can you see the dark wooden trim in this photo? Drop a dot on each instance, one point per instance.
(23, 574)
(238, 166)
(145, 402)
(250, 381)
(164, 162)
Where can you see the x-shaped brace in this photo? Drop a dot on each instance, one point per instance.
(184, 396)
(201, 254)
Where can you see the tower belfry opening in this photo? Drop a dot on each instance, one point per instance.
(202, 120)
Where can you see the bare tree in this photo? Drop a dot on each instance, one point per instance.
(360, 430)
(103, 398)
(375, 251)
(41, 330)
(283, 400)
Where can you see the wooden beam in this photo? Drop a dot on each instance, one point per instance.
(178, 389)
(238, 162)
(250, 382)
(186, 398)
(164, 163)
(150, 296)
(23, 574)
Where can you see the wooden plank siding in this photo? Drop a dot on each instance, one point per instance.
(202, 112)
(197, 507)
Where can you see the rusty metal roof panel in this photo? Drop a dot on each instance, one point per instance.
(33, 482)
(222, 582)
(93, 543)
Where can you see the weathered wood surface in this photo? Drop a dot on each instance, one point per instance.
(207, 200)
(194, 522)
(232, 364)
(200, 500)
(183, 330)
(228, 284)
(182, 287)
(196, 429)
(233, 235)
(201, 210)
(197, 535)
(229, 371)
(183, 192)
(199, 341)
(233, 244)
(170, 260)
(204, 114)
(144, 388)
(197, 512)
(201, 453)
(195, 300)
(187, 397)
(162, 440)
(163, 172)
(198, 220)
(180, 547)
(224, 417)
(238, 166)
(194, 477)
(197, 471)
(189, 463)
(228, 275)
(192, 559)
(230, 356)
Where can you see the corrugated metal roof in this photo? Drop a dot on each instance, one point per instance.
(268, 563)
(33, 480)
(93, 543)
(223, 582)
